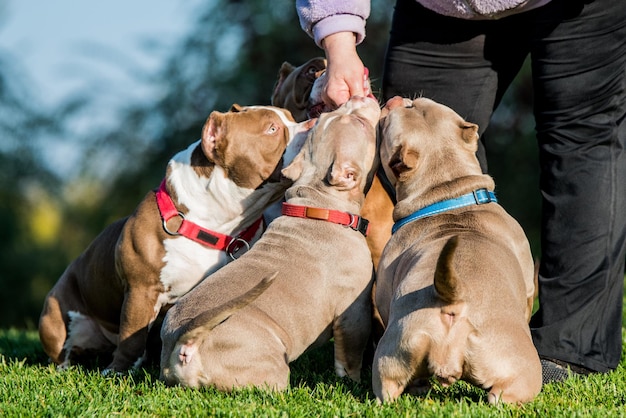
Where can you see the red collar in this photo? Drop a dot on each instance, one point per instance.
(355, 222)
(201, 235)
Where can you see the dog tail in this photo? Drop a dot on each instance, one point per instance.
(206, 321)
(446, 279)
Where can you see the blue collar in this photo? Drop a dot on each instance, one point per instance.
(477, 197)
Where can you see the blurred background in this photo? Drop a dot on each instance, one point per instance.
(95, 97)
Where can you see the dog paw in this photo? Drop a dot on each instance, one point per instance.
(63, 366)
(342, 371)
(493, 398)
(108, 372)
(418, 387)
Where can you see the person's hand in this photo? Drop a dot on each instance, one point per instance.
(344, 69)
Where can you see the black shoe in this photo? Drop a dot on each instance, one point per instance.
(553, 370)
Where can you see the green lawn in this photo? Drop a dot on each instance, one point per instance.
(31, 387)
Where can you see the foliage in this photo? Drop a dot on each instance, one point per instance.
(24, 253)
(232, 55)
(30, 387)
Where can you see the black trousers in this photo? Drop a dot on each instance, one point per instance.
(578, 59)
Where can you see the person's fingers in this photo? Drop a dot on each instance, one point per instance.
(336, 94)
(339, 89)
(367, 87)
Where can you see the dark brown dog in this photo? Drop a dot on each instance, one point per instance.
(455, 282)
(293, 87)
(107, 299)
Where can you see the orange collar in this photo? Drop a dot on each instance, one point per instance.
(355, 222)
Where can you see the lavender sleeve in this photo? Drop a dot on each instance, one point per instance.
(320, 18)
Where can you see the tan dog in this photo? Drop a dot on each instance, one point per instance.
(107, 299)
(299, 89)
(455, 282)
(322, 270)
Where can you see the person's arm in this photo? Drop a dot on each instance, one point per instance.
(337, 27)
(344, 69)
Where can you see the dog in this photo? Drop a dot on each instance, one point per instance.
(310, 278)
(293, 86)
(206, 212)
(455, 282)
(299, 89)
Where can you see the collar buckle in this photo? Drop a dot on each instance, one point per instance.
(482, 196)
(362, 224)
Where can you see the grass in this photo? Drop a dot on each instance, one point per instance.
(29, 386)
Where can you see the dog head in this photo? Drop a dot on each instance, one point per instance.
(340, 151)
(425, 140)
(294, 84)
(249, 142)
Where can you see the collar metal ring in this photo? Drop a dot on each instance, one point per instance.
(173, 233)
(230, 251)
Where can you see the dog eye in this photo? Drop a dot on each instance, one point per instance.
(272, 129)
(311, 70)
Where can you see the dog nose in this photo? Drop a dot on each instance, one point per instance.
(366, 107)
(394, 102)
(357, 99)
(357, 102)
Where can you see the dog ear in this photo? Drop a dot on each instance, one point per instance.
(209, 133)
(469, 133)
(344, 176)
(403, 160)
(285, 69)
(236, 108)
(294, 170)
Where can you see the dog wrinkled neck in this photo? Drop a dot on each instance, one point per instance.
(475, 197)
(307, 195)
(276, 176)
(200, 163)
(437, 193)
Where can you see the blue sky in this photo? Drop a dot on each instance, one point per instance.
(63, 45)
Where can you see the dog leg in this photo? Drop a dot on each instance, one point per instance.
(398, 363)
(509, 368)
(351, 332)
(390, 375)
(523, 382)
(52, 330)
(520, 389)
(378, 207)
(54, 321)
(139, 311)
(388, 379)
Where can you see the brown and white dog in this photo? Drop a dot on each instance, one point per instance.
(319, 269)
(299, 89)
(217, 189)
(455, 282)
